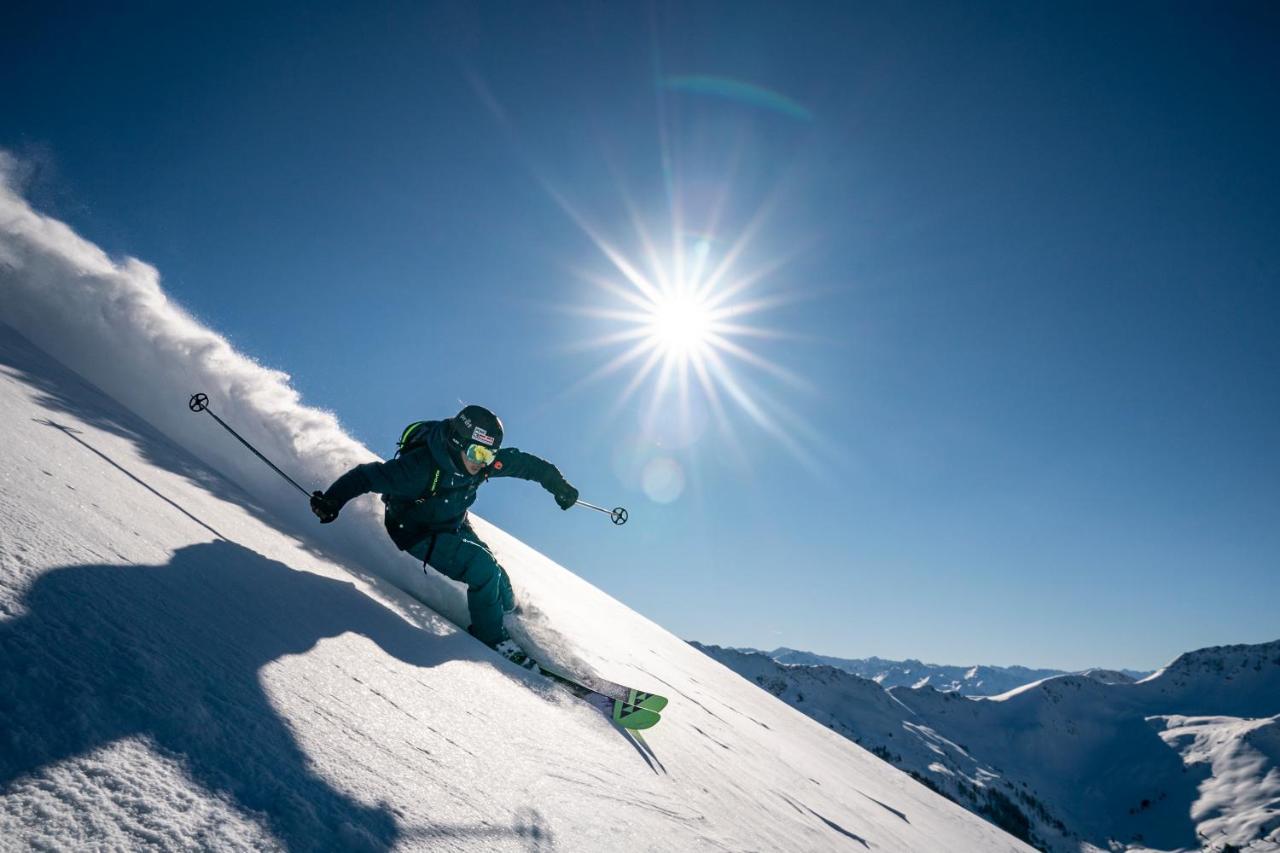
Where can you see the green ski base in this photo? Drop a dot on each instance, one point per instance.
(628, 715)
(648, 701)
(622, 693)
(634, 718)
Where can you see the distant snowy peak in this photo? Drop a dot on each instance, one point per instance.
(1222, 661)
(1109, 676)
(1057, 687)
(1241, 681)
(978, 680)
(790, 682)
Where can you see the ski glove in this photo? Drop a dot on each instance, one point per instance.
(326, 509)
(565, 494)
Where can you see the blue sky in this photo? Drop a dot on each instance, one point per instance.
(1018, 263)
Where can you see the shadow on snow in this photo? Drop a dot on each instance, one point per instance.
(172, 653)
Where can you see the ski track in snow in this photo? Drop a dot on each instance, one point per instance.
(189, 661)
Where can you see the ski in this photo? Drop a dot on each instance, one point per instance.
(630, 695)
(621, 693)
(628, 715)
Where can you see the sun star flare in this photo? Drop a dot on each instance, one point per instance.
(683, 326)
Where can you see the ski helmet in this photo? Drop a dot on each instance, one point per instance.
(475, 425)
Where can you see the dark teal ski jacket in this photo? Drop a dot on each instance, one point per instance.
(427, 491)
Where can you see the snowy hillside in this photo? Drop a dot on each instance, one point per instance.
(874, 718)
(188, 661)
(1092, 758)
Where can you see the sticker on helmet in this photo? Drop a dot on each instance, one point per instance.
(478, 434)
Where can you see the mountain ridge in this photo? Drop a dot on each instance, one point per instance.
(970, 680)
(1078, 758)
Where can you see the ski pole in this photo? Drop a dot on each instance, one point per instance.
(200, 403)
(618, 514)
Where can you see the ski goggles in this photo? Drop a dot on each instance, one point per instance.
(480, 455)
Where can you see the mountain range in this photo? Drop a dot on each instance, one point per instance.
(1186, 758)
(976, 680)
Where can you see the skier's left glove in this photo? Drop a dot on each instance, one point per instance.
(326, 509)
(565, 494)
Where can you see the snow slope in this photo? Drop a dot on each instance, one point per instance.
(1239, 801)
(866, 713)
(188, 661)
(1185, 759)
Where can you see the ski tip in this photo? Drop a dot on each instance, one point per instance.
(640, 725)
(648, 701)
(633, 717)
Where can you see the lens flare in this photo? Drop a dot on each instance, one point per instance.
(737, 90)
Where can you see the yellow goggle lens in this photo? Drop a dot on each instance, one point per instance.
(480, 454)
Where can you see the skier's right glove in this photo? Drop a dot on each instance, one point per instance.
(326, 509)
(565, 494)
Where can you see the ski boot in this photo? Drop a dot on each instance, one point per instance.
(518, 656)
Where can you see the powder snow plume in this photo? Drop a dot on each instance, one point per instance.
(110, 321)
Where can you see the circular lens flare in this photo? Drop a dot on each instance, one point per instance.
(663, 480)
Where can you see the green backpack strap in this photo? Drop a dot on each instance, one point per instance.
(414, 436)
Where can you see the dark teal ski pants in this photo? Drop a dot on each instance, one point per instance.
(464, 557)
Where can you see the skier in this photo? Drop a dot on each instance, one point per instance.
(427, 488)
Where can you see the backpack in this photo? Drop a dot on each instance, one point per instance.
(413, 437)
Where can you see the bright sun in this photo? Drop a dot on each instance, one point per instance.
(681, 325)
(681, 310)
